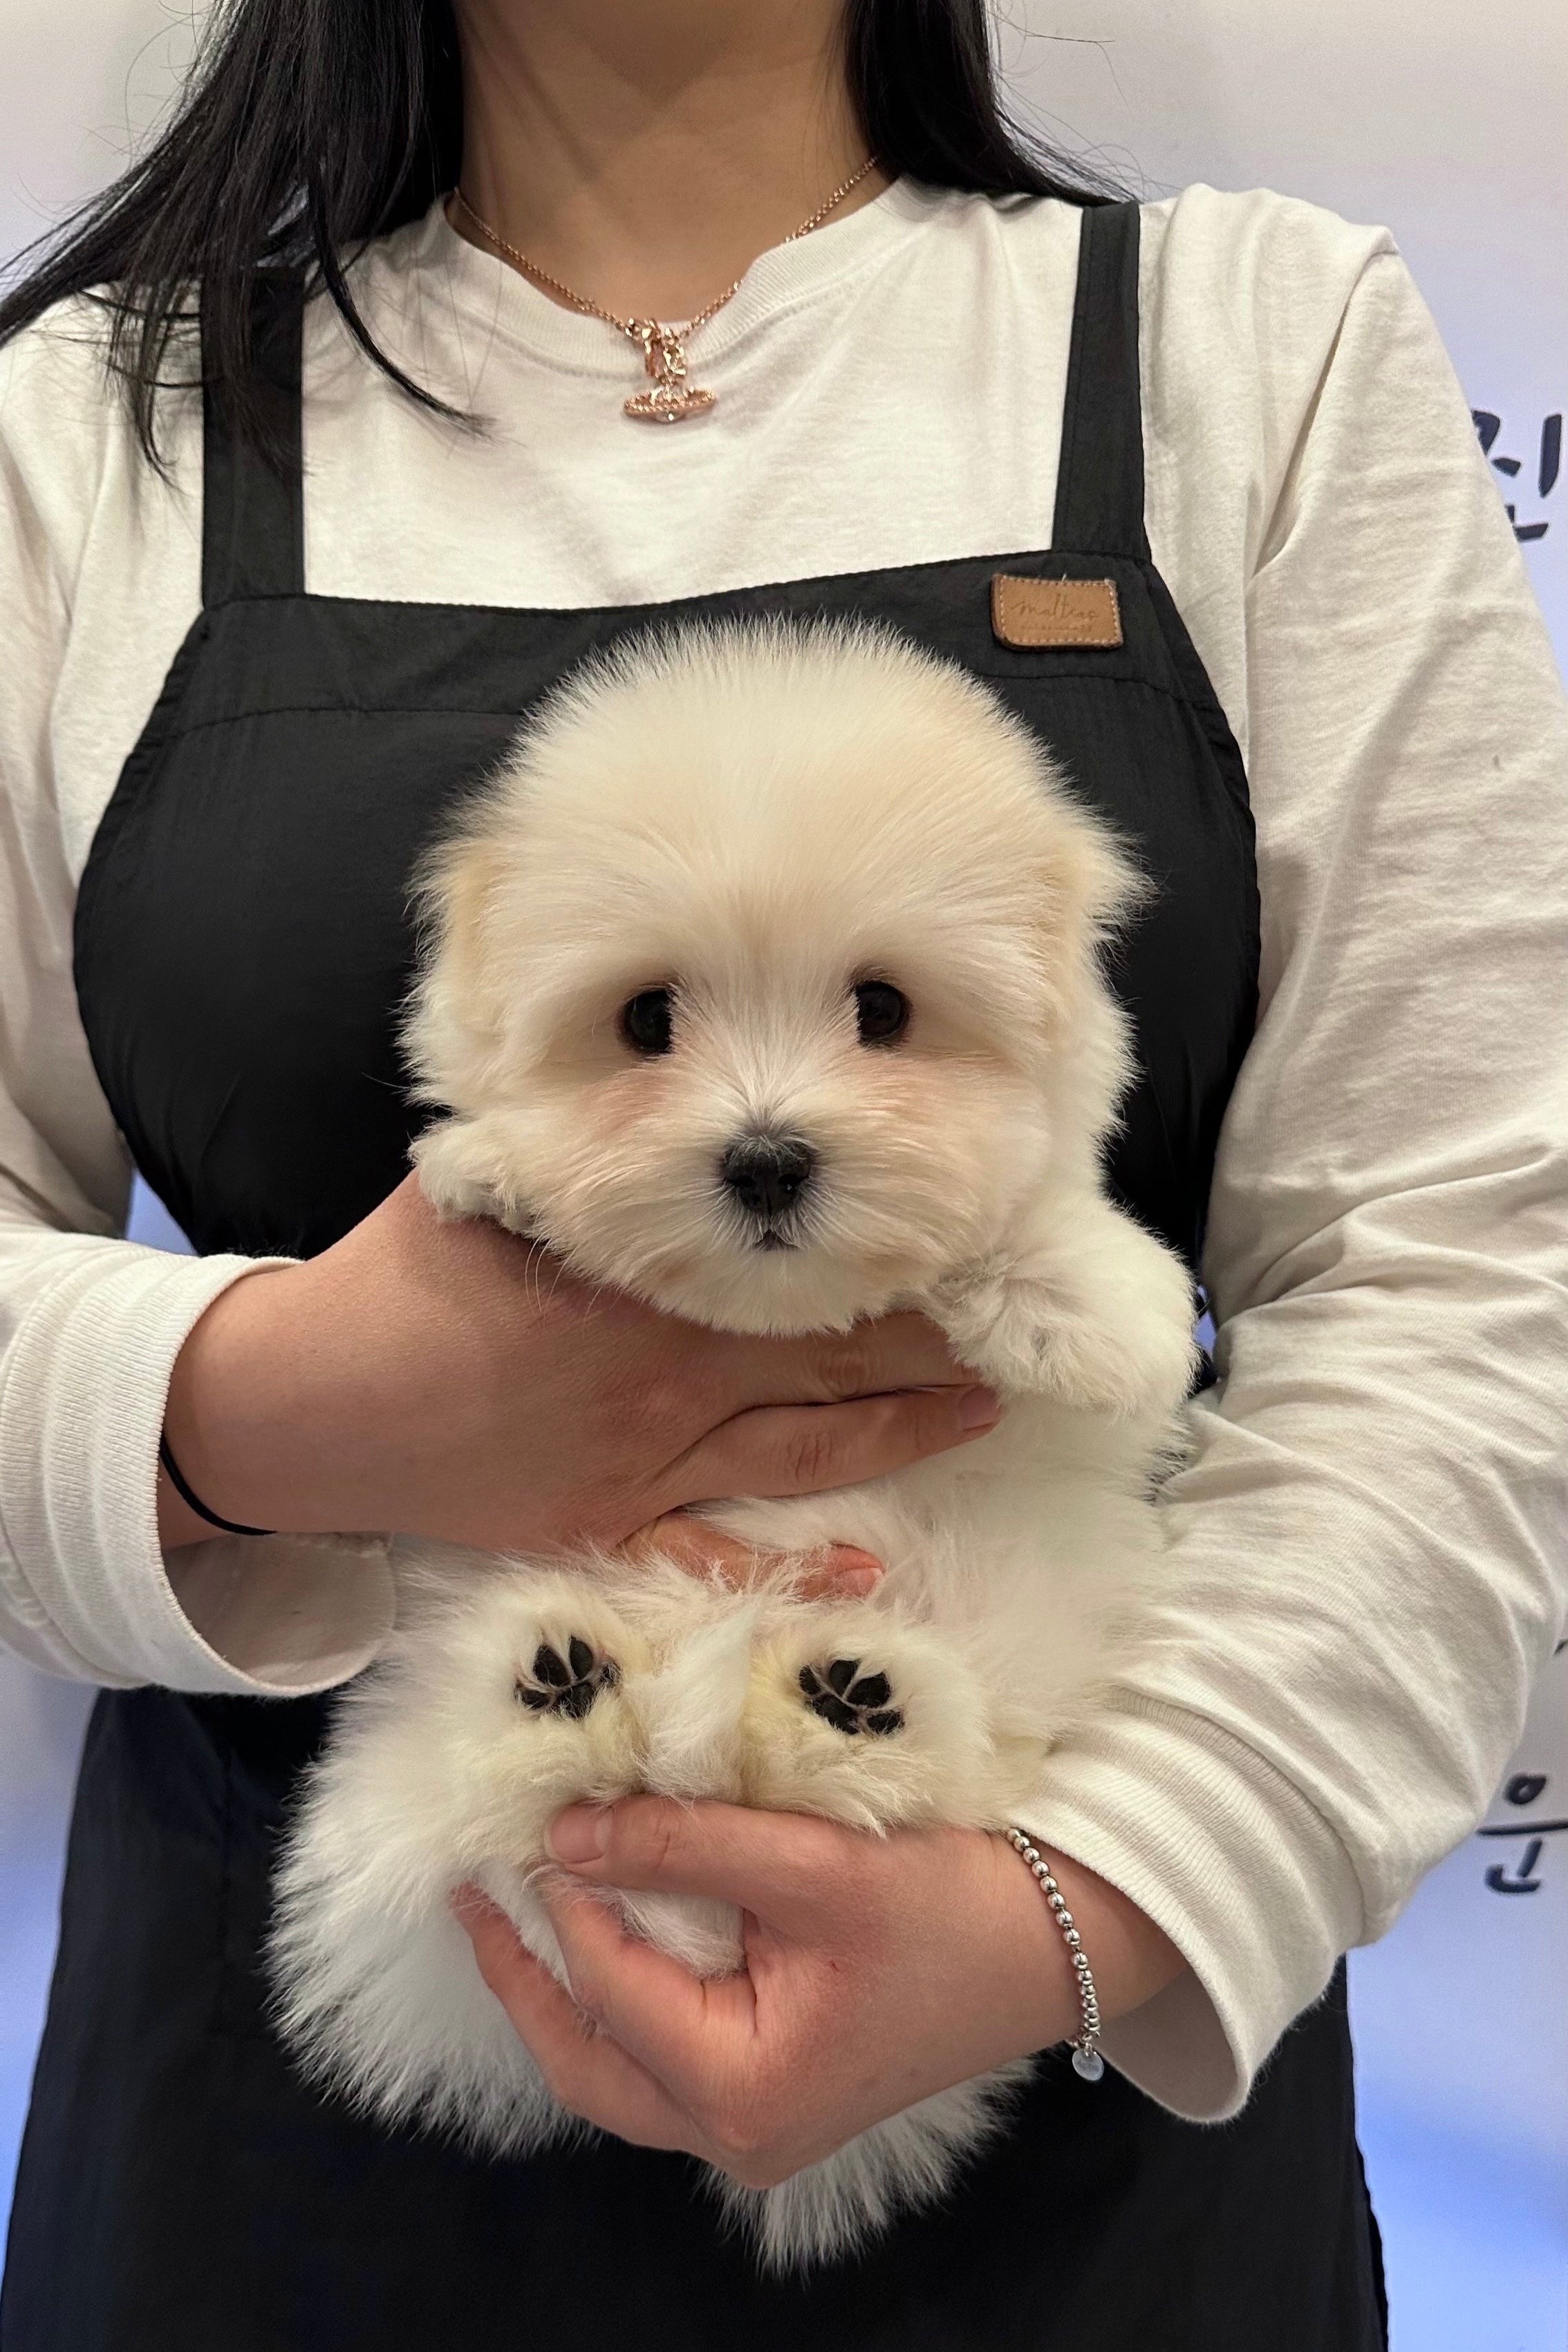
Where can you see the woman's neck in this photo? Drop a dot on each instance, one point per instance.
(645, 152)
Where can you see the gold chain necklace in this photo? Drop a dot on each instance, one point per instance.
(671, 397)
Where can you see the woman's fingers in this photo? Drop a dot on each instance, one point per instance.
(808, 1449)
(732, 2080)
(792, 1871)
(689, 2032)
(626, 2001)
(897, 1352)
(839, 1571)
(588, 2072)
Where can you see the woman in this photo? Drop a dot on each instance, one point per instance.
(937, 382)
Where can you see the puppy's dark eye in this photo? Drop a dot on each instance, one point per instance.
(645, 1021)
(883, 1012)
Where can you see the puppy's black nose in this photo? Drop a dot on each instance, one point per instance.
(767, 1172)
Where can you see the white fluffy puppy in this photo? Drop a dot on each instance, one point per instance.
(763, 981)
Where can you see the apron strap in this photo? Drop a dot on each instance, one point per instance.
(1100, 482)
(253, 511)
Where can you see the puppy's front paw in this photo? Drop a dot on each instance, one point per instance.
(1027, 1339)
(462, 1174)
(1096, 1314)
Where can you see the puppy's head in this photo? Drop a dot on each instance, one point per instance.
(763, 981)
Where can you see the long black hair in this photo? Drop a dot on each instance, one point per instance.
(308, 127)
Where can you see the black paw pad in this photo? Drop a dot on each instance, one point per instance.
(850, 1701)
(569, 1684)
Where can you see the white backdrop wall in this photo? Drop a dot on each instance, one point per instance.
(1447, 124)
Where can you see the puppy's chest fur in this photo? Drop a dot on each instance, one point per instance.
(1027, 1552)
(1013, 1570)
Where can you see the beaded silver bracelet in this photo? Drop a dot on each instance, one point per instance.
(1086, 2058)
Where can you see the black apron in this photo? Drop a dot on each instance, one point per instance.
(242, 945)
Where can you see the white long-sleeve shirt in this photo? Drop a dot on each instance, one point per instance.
(1366, 1552)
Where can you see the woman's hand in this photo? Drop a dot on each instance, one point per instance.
(877, 1972)
(446, 1380)
(839, 1572)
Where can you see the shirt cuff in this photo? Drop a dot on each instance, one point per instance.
(85, 1589)
(1219, 1850)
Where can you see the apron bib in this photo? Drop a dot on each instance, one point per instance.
(243, 944)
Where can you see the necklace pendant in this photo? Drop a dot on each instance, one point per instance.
(668, 402)
(670, 398)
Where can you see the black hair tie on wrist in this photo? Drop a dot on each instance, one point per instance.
(176, 1480)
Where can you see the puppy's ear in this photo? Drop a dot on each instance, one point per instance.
(453, 1029)
(454, 1033)
(1086, 889)
(1085, 1307)
(1083, 888)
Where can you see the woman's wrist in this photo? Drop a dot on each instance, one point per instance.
(1130, 1957)
(237, 1419)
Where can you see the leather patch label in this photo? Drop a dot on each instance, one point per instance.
(1054, 612)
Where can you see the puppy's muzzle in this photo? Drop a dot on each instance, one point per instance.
(766, 1175)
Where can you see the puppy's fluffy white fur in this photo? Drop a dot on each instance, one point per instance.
(759, 822)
